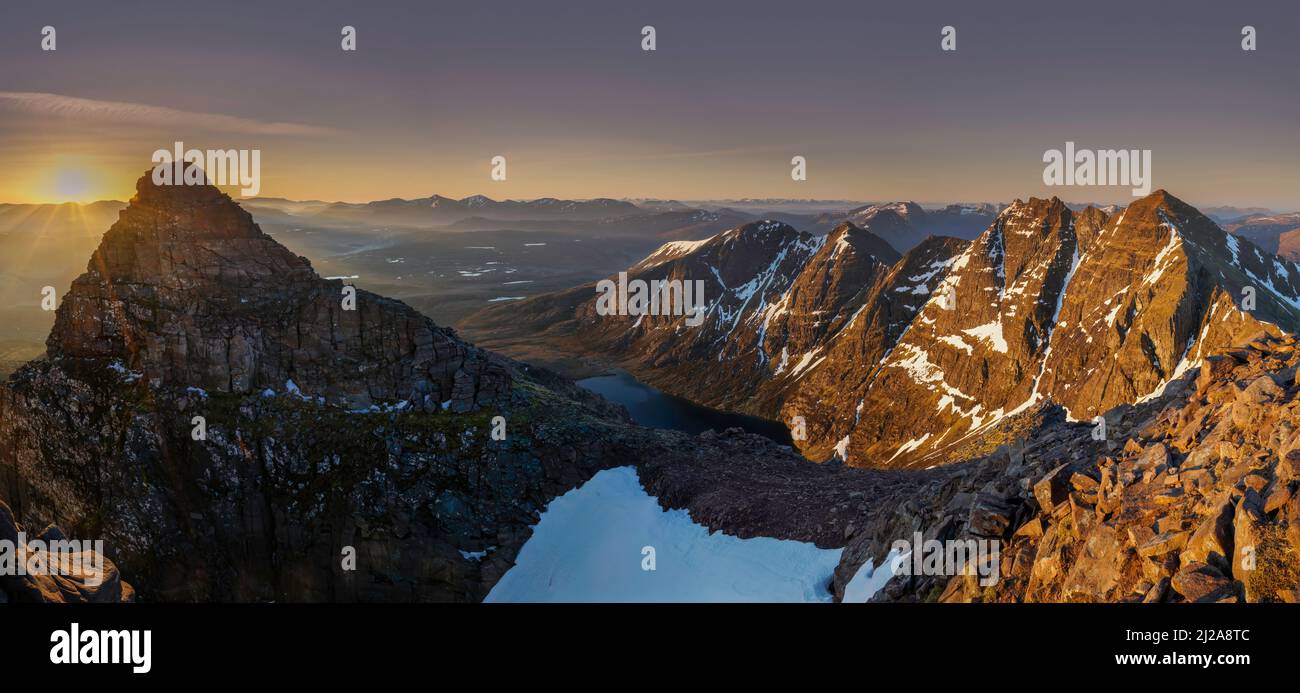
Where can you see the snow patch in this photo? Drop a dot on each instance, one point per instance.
(958, 342)
(870, 579)
(992, 333)
(587, 548)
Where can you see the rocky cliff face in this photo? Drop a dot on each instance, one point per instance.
(1085, 309)
(185, 290)
(215, 412)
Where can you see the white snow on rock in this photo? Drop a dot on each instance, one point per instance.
(672, 250)
(869, 579)
(842, 448)
(992, 333)
(587, 547)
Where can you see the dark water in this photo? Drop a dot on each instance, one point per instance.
(655, 409)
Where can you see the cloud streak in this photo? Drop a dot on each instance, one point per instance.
(143, 114)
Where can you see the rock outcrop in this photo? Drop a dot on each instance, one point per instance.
(63, 572)
(185, 290)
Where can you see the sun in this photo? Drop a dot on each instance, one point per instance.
(70, 178)
(72, 185)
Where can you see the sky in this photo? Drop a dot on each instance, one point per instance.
(733, 91)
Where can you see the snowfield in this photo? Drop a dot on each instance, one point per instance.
(587, 547)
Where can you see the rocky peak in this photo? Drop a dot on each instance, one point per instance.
(1160, 287)
(897, 223)
(1089, 222)
(186, 291)
(851, 237)
(971, 355)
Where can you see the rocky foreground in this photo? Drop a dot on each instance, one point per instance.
(84, 578)
(1195, 499)
(1192, 498)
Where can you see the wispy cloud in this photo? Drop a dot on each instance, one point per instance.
(144, 114)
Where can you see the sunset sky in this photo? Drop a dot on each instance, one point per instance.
(735, 89)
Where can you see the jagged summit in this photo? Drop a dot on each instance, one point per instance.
(185, 290)
(853, 237)
(185, 211)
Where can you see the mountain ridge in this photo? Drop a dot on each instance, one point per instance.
(1158, 283)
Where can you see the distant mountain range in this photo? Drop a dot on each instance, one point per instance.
(905, 224)
(668, 219)
(1277, 233)
(89, 218)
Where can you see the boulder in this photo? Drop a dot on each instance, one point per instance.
(1162, 544)
(990, 515)
(1277, 497)
(1098, 567)
(1211, 541)
(1215, 369)
(1261, 390)
(1245, 537)
(1198, 582)
(1052, 489)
